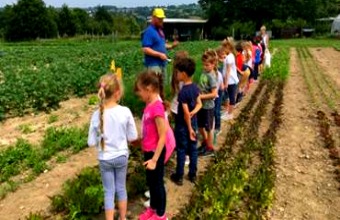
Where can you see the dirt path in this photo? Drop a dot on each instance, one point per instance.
(73, 112)
(33, 196)
(305, 187)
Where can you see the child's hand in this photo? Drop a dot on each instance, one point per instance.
(192, 135)
(150, 164)
(136, 143)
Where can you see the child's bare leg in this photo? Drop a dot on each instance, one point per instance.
(109, 213)
(122, 205)
(203, 134)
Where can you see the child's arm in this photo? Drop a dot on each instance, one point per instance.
(227, 75)
(198, 106)
(161, 129)
(187, 119)
(213, 94)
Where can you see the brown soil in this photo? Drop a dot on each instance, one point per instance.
(305, 187)
(33, 196)
(328, 59)
(73, 112)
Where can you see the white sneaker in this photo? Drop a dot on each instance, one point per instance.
(228, 117)
(147, 194)
(224, 115)
(187, 160)
(147, 204)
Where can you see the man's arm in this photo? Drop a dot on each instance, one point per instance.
(153, 53)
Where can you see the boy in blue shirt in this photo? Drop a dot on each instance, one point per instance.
(189, 103)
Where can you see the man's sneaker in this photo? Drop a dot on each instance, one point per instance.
(147, 194)
(156, 217)
(147, 214)
(147, 204)
(177, 180)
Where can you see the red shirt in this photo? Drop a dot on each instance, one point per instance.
(239, 60)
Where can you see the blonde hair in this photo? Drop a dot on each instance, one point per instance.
(109, 84)
(229, 44)
(211, 56)
(263, 28)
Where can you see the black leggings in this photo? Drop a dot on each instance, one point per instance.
(154, 179)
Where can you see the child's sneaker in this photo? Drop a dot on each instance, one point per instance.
(208, 152)
(156, 217)
(147, 204)
(228, 117)
(147, 214)
(177, 180)
(192, 178)
(147, 194)
(187, 160)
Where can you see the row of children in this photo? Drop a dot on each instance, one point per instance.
(196, 107)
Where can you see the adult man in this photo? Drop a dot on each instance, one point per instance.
(154, 44)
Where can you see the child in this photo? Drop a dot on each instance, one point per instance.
(149, 88)
(231, 79)
(208, 86)
(243, 72)
(176, 85)
(186, 121)
(222, 67)
(256, 57)
(112, 126)
(220, 91)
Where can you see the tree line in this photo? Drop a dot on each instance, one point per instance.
(32, 19)
(243, 17)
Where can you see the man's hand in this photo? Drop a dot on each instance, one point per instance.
(163, 56)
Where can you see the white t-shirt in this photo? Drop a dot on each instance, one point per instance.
(119, 128)
(230, 60)
(219, 80)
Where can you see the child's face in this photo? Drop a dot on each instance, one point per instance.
(221, 55)
(208, 66)
(143, 93)
(181, 76)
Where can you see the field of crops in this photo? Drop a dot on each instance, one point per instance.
(243, 181)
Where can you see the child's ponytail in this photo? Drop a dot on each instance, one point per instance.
(101, 95)
(109, 84)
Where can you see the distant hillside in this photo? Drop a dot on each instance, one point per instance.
(171, 11)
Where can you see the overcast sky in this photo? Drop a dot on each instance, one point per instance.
(118, 3)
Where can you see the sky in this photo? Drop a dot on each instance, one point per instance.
(118, 3)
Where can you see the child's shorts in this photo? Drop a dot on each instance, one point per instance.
(205, 119)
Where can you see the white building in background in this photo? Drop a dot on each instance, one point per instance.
(336, 26)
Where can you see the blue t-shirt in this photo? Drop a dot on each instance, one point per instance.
(155, 39)
(187, 95)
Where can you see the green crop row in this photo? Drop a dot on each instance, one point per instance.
(236, 186)
(38, 77)
(23, 156)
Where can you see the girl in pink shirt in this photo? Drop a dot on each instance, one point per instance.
(149, 88)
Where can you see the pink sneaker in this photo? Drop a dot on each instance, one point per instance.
(147, 214)
(156, 217)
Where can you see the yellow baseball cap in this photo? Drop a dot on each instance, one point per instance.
(158, 12)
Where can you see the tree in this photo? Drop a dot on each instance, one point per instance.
(82, 21)
(30, 19)
(66, 22)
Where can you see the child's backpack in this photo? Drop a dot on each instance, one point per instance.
(257, 55)
(170, 142)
